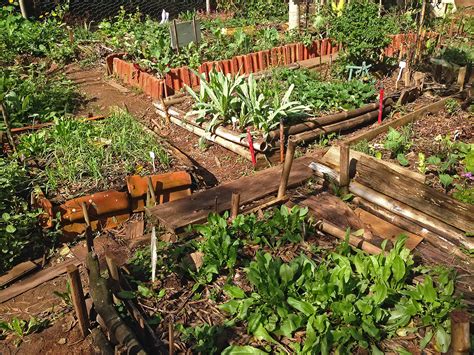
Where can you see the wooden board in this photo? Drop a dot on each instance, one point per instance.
(419, 196)
(331, 158)
(17, 271)
(36, 279)
(371, 134)
(386, 230)
(334, 210)
(195, 209)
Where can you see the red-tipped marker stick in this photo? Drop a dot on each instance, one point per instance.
(380, 104)
(252, 151)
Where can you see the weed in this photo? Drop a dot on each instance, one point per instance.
(365, 147)
(399, 142)
(452, 106)
(65, 296)
(92, 155)
(205, 338)
(21, 328)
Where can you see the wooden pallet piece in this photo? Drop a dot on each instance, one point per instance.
(195, 209)
(17, 272)
(415, 194)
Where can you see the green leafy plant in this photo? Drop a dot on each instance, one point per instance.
(205, 338)
(82, 154)
(66, 295)
(398, 142)
(361, 31)
(22, 328)
(452, 106)
(19, 234)
(347, 300)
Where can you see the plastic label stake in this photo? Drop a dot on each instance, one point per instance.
(380, 104)
(252, 151)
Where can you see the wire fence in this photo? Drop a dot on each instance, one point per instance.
(95, 10)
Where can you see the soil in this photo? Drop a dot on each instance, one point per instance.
(214, 164)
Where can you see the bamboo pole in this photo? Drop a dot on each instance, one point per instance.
(234, 147)
(88, 231)
(78, 300)
(222, 132)
(282, 141)
(234, 211)
(311, 135)
(290, 154)
(355, 241)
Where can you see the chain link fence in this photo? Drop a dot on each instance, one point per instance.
(96, 10)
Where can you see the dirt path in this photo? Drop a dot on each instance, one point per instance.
(215, 164)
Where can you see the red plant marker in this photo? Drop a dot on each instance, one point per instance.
(252, 151)
(380, 103)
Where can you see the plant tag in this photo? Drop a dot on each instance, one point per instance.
(152, 156)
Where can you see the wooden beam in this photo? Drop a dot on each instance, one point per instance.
(195, 209)
(36, 280)
(17, 271)
(415, 194)
(402, 121)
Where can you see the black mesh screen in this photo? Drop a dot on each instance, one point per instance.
(100, 9)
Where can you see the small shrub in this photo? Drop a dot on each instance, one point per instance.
(398, 142)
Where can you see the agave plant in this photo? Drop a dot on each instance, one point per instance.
(217, 99)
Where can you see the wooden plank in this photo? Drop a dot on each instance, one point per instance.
(415, 194)
(371, 134)
(331, 158)
(16, 272)
(36, 279)
(386, 230)
(195, 209)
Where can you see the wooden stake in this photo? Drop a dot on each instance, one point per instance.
(77, 296)
(282, 141)
(344, 165)
(235, 205)
(151, 191)
(171, 336)
(88, 232)
(290, 154)
(165, 109)
(462, 78)
(6, 120)
(460, 336)
(112, 267)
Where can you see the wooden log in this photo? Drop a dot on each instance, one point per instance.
(104, 306)
(415, 194)
(452, 234)
(355, 241)
(234, 211)
(332, 159)
(78, 300)
(460, 333)
(290, 154)
(344, 168)
(337, 127)
(236, 148)
(434, 225)
(259, 143)
(374, 132)
(434, 239)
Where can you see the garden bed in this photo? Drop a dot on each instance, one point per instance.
(438, 145)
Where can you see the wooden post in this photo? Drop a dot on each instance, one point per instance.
(151, 191)
(88, 233)
(234, 211)
(175, 31)
(290, 153)
(282, 141)
(171, 336)
(165, 109)
(208, 7)
(6, 120)
(77, 296)
(112, 267)
(462, 78)
(344, 165)
(460, 337)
